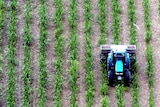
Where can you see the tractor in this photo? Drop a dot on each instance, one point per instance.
(119, 61)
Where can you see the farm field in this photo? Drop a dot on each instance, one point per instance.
(49, 52)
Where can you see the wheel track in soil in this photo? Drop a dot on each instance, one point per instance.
(34, 51)
(155, 43)
(124, 39)
(19, 52)
(65, 32)
(80, 32)
(95, 34)
(142, 76)
(4, 49)
(111, 90)
(50, 54)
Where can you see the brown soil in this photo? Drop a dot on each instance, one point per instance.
(142, 77)
(124, 33)
(80, 32)
(156, 46)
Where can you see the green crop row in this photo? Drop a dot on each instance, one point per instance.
(26, 74)
(1, 29)
(102, 21)
(119, 95)
(102, 40)
(10, 94)
(132, 38)
(148, 51)
(88, 55)
(115, 21)
(42, 54)
(58, 53)
(73, 63)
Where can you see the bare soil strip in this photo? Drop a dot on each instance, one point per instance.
(65, 85)
(142, 76)
(95, 51)
(80, 32)
(19, 52)
(50, 54)
(156, 46)
(34, 50)
(109, 21)
(112, 97)
(124, 26)
(124, 34)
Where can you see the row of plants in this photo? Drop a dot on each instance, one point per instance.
(132, 39)
(89, 80)
(11, 34)
(102, 40)
(42, 79)
(26, 72)
(115, 21)
(57, 87)
(119, 95)
(1, 30)
(148, 51)
(73, 63)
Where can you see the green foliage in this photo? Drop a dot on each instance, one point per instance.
(119, 95)
(73, 63)
(88, 55)
(58, 53)
(10, 98)
(26, 74)
(42, 54)
(115, 21)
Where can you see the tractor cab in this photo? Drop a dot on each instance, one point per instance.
(118, 59)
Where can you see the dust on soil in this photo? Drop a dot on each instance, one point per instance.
(65, 85)
(155, 26)
(142, 76)
(50, 54)
(95, 51)
(34, 51)
(80, 32)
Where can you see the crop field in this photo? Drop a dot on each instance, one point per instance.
(50, 55)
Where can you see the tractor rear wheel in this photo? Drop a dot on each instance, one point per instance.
(110, 78)
(127, 78)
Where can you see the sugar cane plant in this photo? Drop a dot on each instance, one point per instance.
(119, 95)
(73, 64)
(102, 21)
(42, 54)
(11, 34)
(88, 55)
(115, 21)
(148, 51)
(58, 53)
(26, 74)
(1, 30)
(102, 40)
(132, 39)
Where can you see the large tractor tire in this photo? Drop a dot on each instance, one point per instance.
(110, 78)
(127, 78)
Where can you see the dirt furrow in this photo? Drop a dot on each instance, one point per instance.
(81, 41)
(124, 35)
(50, 54)
(65, 85)
(142, 76)
(109, 21)
(124, 26)
(19, 52)
(34, 51)
(95, 51)
(155, 26)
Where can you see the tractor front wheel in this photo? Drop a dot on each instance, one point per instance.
(127, 78)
